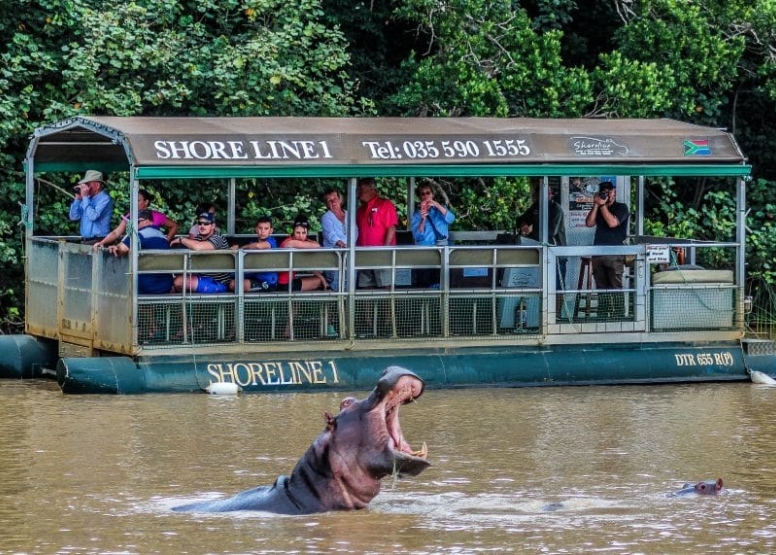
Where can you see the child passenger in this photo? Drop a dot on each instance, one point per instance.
(260, 281)
(298, 240)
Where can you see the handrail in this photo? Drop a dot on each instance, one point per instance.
(480, 292)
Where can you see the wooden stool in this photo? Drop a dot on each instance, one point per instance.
(585, 283)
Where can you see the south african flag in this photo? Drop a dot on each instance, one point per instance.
(697, 147)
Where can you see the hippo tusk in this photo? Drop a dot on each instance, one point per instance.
(423, 453)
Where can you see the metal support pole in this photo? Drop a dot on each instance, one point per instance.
(351, 258)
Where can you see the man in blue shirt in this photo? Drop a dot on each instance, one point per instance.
(149, 237)
(93, 207)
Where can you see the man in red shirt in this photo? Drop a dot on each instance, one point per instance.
(376, 220)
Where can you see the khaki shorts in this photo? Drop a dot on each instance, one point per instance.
(374, 278)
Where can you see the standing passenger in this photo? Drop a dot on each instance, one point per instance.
(430, 226)
(93, 207)
(528, 222)
(431, 220)
(377, 220)
(335, 230)
(610, 219)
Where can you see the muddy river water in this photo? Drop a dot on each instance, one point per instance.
(98, 474)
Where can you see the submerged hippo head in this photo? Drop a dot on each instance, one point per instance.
(343, 467)
(704, 487)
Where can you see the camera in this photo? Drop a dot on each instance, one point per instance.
(603, 194)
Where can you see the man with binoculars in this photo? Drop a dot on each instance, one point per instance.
(610, 218)
(93, 207)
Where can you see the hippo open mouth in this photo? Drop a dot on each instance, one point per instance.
(374, 425)
(406, 389)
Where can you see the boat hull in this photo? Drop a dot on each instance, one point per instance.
(24, 356)
(440, 368)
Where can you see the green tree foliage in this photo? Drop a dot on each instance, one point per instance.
(695, 58)
(378, 43)
(487, 60)
(229, 57)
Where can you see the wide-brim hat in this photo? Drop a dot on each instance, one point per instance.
(92, 175)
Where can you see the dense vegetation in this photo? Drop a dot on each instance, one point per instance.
(703, 61)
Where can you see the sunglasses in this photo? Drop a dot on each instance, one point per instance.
(204, 223)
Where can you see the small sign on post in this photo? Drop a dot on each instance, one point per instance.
(658, 254)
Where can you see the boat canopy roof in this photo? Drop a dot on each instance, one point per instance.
(232, 147)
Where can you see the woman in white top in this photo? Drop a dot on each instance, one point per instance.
(335, 229)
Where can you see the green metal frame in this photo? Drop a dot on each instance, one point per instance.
(452, 170)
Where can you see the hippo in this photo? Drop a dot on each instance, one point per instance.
(704, 487)
(343, 467)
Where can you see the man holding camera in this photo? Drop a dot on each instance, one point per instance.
(93, 207)
(610, 219)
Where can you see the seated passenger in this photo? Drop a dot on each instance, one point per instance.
(159, 220)
(260, 281)
(206, 239)
(203, 207)
(298, 240)
(149, 237)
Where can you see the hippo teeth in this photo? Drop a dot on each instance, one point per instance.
(423, 453)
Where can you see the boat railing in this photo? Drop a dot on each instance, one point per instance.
(82, 300)
(687, 295)
(471, 296)
(577, 304)
(85, 298)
